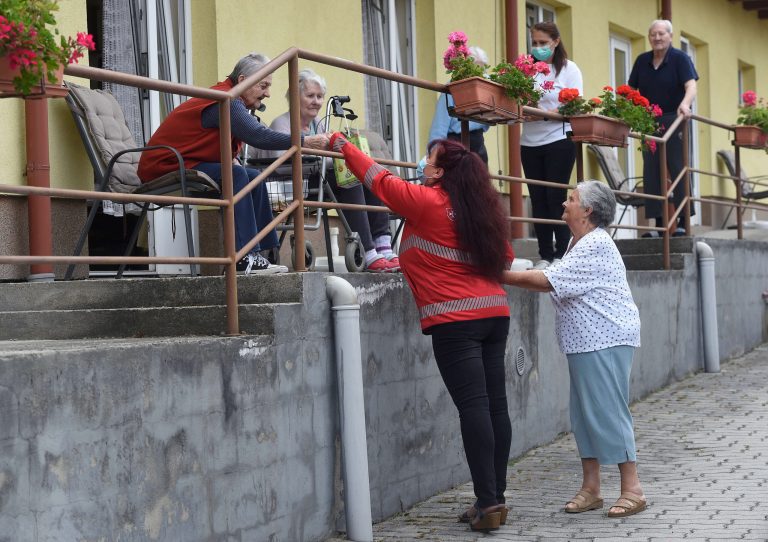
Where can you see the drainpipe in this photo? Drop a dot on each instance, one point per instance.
(38, 174)
(511, 23)
(349, 370)
(706, 260)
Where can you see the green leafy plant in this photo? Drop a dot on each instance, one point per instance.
(30, 41)
(753, 112)
(517, 79)
(625, 104)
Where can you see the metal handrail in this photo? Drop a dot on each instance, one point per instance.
(294, 153)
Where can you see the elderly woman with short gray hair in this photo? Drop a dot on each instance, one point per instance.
(598, 329)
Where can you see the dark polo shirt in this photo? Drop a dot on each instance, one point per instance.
(664, 86)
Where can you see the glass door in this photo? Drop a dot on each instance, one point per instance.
(620, 54)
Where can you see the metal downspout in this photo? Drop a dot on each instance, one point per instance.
(349, 371)
(706, 260)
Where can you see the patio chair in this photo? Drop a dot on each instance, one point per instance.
(114, 155)
(747, 183)
(609, 165)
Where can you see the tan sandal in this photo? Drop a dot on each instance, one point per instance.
(584, 501)
(469, 514)
(630, 504)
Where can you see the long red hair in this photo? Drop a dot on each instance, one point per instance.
(481, 223)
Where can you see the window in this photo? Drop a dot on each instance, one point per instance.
(536, 13)
(388, 27)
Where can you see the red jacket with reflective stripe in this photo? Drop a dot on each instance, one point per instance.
(445, 286)
(183, 130)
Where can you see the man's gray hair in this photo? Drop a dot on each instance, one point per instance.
(248, 65)
(308, 76)
(598, 197)
(479, 55)
(665, 22)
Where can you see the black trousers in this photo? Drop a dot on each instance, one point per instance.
(552, 162)
(476, 143)
(652, 175)
(368, 224)
(470, 356)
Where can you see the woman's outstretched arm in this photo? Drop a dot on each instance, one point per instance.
(531, 279)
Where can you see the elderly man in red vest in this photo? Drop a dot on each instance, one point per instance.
(193, 129)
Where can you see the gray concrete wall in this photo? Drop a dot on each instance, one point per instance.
(236, 439)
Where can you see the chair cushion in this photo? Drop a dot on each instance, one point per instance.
(198, 184)
(110, 134)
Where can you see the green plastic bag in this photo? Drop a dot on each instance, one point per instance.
(344, 177)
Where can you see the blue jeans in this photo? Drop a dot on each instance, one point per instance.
(252, 213)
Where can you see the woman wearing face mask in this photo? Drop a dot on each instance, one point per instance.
(373, 227)
(546, 153)
(453, 258)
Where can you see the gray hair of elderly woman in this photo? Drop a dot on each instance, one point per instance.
(598, 197)
(665, 22)
(248, 65)
(308, 76)
(479, 55)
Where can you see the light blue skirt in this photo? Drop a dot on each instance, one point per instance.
(600, 417)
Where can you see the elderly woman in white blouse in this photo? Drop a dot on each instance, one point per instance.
(598, 328)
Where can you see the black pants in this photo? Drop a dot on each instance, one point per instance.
(652, 175)
(552, 162)
(369, 225)
(476, 143)
(470, 356)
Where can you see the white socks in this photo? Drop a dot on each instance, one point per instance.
(383, 245)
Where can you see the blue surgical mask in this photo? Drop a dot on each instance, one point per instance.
(541, 53)
(420, 170)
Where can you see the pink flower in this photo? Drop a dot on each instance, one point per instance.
(541, 67)
(457, 37)
(749, 98)
(86, 40)
(548, 85)
(656, 110)
(453, 52)
(651, 146)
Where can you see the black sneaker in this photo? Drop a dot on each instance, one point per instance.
(256, 264)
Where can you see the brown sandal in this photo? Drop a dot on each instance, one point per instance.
(630, 504)
(471, 512)
(487, 519)
(584, 501)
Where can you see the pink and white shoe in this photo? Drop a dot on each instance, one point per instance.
(381, 265)
(394, 261)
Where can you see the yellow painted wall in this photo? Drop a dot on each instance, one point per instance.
(69, 165)
(271, 28)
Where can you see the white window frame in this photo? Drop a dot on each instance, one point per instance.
(538, 17)
(617, 42)
(690, 49)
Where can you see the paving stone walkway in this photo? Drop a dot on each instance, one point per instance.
(702, 457)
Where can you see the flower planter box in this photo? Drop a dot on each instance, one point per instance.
(599, 130)
(481, 100)
(751, 137)
(52, 89)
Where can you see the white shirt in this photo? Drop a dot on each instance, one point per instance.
(543, 132)
(593, 302)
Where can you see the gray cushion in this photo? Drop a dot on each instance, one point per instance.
(109, 133)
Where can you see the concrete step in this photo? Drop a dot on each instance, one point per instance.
(133, 322)
(655, 262)
(147, 292)
(680, 245)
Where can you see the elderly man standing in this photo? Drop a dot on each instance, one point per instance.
(667, 77)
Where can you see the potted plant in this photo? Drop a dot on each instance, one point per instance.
(30, 53)
(608, 119)
(495, 97)
(753, 122)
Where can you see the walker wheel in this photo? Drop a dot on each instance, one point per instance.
(354, 255)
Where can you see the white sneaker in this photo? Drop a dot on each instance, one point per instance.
(256, 264)
(556, 260)
(541, 264)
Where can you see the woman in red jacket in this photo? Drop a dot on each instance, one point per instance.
(452, 255)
